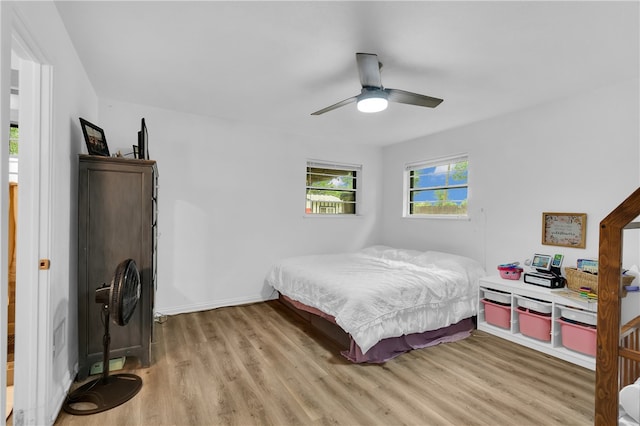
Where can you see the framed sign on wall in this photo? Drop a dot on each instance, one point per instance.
(564, 229)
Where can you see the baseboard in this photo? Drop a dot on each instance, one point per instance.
(185, 309)
(61, 397)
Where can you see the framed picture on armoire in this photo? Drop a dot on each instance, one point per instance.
(94, 138)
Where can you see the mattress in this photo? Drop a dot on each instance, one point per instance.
(381, 292)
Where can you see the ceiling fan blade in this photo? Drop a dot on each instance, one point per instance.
(369, 70)
(334, 106)
(404, 97)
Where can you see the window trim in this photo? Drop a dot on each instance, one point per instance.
(357, 168)
(408, 167)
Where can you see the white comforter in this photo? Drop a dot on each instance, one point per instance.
(381, 292)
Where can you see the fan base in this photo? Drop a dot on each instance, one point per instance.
(102, 394)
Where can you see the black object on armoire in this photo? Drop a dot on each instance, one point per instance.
(117, 220)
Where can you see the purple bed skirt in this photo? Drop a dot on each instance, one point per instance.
(391, 347)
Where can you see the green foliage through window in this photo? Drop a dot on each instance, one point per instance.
(13, 140)
(438, 187)
(331, 191)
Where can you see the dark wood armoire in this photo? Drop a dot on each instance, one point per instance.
(117, 220)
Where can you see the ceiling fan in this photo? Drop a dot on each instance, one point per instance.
(374, 97)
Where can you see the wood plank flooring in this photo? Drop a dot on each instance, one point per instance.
(261, 364)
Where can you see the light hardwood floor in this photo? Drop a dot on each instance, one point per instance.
(261, 365)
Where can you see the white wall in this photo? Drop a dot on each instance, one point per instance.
(231, 202)
(73, 96)
(573, 155)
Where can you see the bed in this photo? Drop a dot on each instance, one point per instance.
(387, 300)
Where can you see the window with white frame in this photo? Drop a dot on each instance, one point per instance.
(332, 189)
(437, 187)
(13, 153)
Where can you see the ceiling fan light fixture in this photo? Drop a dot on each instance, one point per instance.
(374, 97)
(372, 102)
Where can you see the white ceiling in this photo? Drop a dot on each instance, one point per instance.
(274, 63)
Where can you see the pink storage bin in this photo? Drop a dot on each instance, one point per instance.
(510, 273)
(534, 324)
(579, 338)
(496, 314)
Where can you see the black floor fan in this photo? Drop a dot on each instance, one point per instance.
(118, 301)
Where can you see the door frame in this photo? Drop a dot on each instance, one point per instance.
(33, 345)
(5, 90)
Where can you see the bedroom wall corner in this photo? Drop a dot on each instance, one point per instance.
(571, 155)
(232, 202)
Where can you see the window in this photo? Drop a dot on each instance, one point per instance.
(332, 189)
(13, 153)
(13, 140)
(437, 187)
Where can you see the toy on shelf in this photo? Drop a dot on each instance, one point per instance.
(510, 271)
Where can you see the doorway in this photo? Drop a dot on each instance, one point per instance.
(14, 143)
(32, 366)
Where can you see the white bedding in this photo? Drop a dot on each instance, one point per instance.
(629, 405)
(381, 292)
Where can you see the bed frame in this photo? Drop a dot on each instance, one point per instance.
(326, 327)
(618, 348)
(387, 348)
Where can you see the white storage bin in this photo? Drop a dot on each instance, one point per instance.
(535, 305)
(575, 314)
(497, 296)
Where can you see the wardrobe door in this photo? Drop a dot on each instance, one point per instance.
(115, 222)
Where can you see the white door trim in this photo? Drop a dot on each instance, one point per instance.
(5, 84)
(33, 348)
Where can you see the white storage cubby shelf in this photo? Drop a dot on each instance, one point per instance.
(518, 293)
